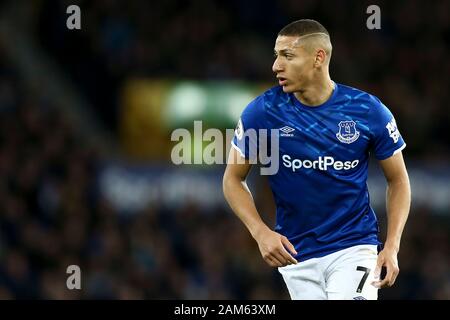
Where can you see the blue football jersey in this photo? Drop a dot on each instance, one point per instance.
(320, 188)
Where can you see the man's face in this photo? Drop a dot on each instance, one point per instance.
(293, 64)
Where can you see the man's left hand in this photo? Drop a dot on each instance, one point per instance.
(386, 258)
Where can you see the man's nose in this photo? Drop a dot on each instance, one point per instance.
(277, 67)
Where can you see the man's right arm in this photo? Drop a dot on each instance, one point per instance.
(272, 245)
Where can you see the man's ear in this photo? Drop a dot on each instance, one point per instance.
(320, 57)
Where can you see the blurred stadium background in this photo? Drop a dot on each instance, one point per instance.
(86, 117)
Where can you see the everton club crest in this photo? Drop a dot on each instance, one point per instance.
(347, 132)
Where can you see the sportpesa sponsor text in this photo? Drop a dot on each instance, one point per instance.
(322, 163)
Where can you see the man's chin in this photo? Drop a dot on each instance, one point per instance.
(287, 89)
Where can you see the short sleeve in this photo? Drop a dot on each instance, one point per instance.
(386, 137)
(246, 139)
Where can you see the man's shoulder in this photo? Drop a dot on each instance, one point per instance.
(274, 96)
(367, 104)
(358, 95)
(268, 99)
(273, 92)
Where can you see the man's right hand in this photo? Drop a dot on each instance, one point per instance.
(272, 246)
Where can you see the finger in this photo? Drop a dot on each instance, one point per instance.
(275, 260)
(289, 245)
(392, 275)
(382, 283)
(377, 271)
(287, 256)
(279, 257)
(388, 279)
(386, 282)
(270, 261)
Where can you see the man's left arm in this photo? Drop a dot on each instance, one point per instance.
(398, 199)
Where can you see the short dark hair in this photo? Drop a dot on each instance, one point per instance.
(303, 27)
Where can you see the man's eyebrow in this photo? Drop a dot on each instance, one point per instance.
(283, 51)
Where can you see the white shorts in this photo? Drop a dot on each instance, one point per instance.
(343, 275)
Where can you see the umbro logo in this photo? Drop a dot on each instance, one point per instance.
(287, 131)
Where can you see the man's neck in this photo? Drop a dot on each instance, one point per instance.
(316, 94)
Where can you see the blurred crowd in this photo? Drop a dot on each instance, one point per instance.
(52, 215)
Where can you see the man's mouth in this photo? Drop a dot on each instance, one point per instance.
(282, 81)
